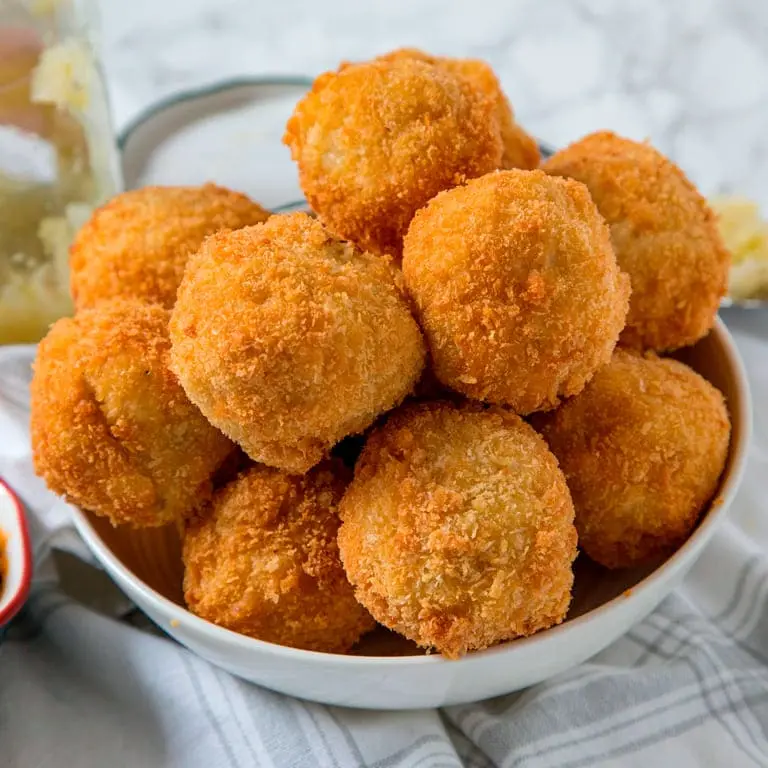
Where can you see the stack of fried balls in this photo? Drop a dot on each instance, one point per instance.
(491, 329)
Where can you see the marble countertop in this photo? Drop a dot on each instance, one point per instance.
(690, 75)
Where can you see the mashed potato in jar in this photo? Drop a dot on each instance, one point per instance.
(57, 158)
(745, 234)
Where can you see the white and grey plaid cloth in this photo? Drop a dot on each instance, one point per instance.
(85, 683)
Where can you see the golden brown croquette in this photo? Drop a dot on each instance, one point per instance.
(642, 449)
(520, 150)
(137, 245)
(516, 287)
(288, 339)
(375, 141)
(112, 430)
(262, 559)
(664, 235)
(458, 528)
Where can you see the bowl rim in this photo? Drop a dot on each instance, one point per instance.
(204, 91)
(712, 518)
(19, 596)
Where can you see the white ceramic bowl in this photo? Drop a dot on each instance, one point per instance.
(15, 541)
(387, 673)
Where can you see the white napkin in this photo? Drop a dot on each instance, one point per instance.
(81, 685)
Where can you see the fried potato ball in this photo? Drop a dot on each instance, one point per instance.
(137, 245)
(289, 339)
(262, 559)
(112, 430)
(516, 287)
(458, 528)
(664, 235)
(520, 149)
(642, 448)
(375, 141)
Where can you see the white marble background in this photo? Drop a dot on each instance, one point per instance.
(690, 75)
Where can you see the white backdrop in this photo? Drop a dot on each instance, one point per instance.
(691, 75)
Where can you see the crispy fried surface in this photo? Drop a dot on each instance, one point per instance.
(289, 339)
(517, 288)
(263, 560)
(375, 141)
(664, 235)
(112, 430)
(458, 528)
(642, 448)
(137, 245)
(520, 149)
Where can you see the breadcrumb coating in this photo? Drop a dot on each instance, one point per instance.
(137, 245)
(375, 141)
(458, 528)
(288, 339)
(642, 448)
(664, 234)
(262, 559)
(517, 288)
(112, 430)
(520, 149)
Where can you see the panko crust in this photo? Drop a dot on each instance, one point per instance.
(262, 559)
(520, 149)
(375, 141)
(137, 245)
(111, 428)
(458, 528)
(516, 287)
(664, 234)
(642, 448)
(289, 340)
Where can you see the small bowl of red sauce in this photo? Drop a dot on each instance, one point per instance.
(15, 555)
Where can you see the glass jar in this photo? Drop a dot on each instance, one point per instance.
(58, 158)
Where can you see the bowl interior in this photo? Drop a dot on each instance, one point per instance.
(154, 555)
